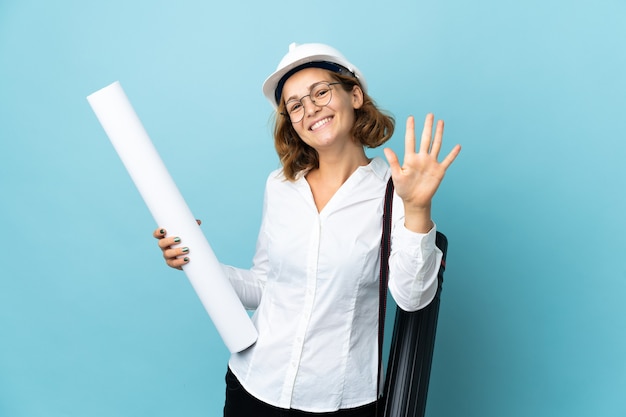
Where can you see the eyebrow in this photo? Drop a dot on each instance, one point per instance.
(294, 97)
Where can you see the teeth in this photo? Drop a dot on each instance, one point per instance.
(320, 123)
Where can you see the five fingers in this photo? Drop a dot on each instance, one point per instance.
(429, 145)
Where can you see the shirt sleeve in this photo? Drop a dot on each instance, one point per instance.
(247, 283)
(413, 266)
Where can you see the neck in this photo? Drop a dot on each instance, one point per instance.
(332, 173)
(337, 168)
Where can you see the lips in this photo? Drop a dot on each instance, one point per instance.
(320, 123)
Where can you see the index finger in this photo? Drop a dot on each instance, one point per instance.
(409, 136)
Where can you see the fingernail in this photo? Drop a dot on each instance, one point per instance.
(185, 250)
(176, 239)
(162, 231)
(186, 259)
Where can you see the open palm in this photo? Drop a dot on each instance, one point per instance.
(418, 179)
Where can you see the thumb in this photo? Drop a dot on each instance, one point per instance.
(392, 159)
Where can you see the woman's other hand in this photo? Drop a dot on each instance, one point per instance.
(175, 257)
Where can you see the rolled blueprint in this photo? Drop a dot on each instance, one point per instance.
(167, 206)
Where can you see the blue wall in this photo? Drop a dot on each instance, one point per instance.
(532, 320)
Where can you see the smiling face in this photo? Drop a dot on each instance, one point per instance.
(326, 127)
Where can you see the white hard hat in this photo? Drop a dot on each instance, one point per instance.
(306, 55)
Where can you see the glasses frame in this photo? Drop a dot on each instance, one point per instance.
(286, 114)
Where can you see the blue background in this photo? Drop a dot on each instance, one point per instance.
(92, 323)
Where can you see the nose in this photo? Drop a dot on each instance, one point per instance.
(310, 107)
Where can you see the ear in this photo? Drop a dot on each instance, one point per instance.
(357, 97)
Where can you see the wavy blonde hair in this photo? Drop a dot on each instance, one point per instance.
(372, 127)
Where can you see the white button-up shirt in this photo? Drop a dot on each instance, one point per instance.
(314, 286)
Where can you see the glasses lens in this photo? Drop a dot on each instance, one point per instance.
(321, 94)
(295, 110)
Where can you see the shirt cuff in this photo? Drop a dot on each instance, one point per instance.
(416, 244)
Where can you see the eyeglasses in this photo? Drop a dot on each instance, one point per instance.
(320, 95)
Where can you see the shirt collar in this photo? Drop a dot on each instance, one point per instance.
(379, 167)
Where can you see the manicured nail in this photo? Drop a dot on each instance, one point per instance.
(185, 250)
(162, 231)
(186, 259)
(176, 239)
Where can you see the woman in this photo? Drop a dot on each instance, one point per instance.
(314, 280)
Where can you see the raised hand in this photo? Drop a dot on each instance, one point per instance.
(420, 175)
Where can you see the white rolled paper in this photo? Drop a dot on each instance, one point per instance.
(165, 202)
